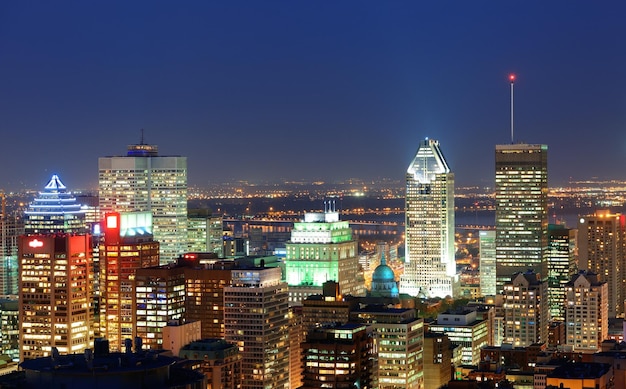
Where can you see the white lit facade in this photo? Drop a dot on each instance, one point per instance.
(430, 266)
(487, 248)
(586, 313)
(526, 314)
(144, 181)
(465, 330)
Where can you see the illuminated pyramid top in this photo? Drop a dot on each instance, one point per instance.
(428, 162)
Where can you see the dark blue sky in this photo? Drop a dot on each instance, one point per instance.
(273, 90)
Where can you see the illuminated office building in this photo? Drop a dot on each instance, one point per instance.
(430, 267)
(466, 330)
(144, 181)
(562, 265)
(487, 248)
(399, 339)
(54, 294)
(521, 210)
(256, 318)
(127, 246)
(54, 210)
(437, 360)
(586, 312)
(602, 250)
(322, 249)
(339, 357)
(526, 314)
(11, 228)
(159, 299)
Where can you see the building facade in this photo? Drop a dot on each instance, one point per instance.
(586, 312)
(562, 266)
(526, 314)
(54, 294)
(256, 318)
(465, 330)
(602, 250)
(521, 210)
(127, 246)
(487, 249)
(430, 266)
(144, 181)
(322, 249)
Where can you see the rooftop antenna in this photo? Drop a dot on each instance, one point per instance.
(512, 79)
(141, 143)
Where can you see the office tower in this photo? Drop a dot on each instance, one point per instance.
(586, 312)
(10, 328)
(143, 181)
(430, 267)
(297, 336)
(601, 250)
(127, 246)
(221, 362)
(256, 318)
(159, 299)
(327, 308)
(322, 249)
(437, 360)
(521, 210)
(463, 328)
(54, 210)
(11, 228)
(339, 357)
(54, 294)
(198, 221)
(562, 265)
(487, 249)
(399, 339)
(205, 293)
(526, 314)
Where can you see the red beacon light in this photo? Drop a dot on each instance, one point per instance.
(512, 77)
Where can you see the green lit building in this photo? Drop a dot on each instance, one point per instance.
(322, 249)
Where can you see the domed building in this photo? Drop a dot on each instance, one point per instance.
(384, 281)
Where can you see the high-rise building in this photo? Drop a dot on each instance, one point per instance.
(54, 210)
(326, 308)
(586, 312)
(11, 228)
(399, 335)
(526, 314)
(437, 360)
(144, 181)
(602, 250)
(430, 267)
(562, 265)
(159, 299)
(487, 249)
(127, 246)
(256, 318)
(54, 294)
(10, 328)
(221, 362)
(463, 328)
(521, 210)
(322, 249)
(339, 357)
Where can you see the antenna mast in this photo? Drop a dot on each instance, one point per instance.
(512, 79)
(141, 143)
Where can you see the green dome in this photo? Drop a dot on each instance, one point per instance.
(383, 273)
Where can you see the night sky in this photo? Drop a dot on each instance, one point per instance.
(275, 90)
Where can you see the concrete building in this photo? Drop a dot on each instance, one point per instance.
(581, 375)
(143, 181)
(220, 362)
(521, 210)
(602, 250)
(128, 245)
(586, 312)
(526, 314)
(430, 267)
(327, 308)
(256, 319)
(464, 329)
(55, 294)
(177, 334)
(437, 360)
(322, 249)
(339, 357)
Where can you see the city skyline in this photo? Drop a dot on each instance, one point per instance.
(273, 91)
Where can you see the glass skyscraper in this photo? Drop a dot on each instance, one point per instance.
(144, 181)
(429, 268)
(521, 210)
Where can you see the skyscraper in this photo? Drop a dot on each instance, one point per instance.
(429, 268)
(521, 210)
(602, 250)
(526, 314)
(256, 318)
(54, 210)
(144, 181)
(127, 246)
(322, 249)
(487, 267)
(54, 294)
(562, 266)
